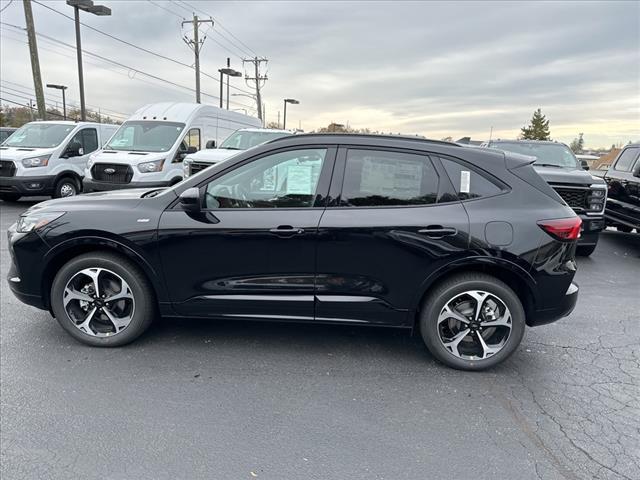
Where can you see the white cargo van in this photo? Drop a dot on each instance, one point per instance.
(148, 149)
(243, 139)
(49, 158)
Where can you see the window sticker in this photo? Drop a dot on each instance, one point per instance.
(300, 180)
(465, 181)
(391, 177)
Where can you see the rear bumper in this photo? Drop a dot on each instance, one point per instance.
(90, 185)
(564, 308)
(42, 185)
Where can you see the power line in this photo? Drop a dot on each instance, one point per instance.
(166, 9)
(6, 6)
(150, 52)
(121, 65)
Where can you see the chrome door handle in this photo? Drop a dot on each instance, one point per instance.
(438, 231)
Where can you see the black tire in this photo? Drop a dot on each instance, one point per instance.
(10, 197)
(145, 307)
(438, 298)
(585, 250)
(64, 185)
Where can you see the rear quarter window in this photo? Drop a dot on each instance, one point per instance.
(468, 182)
(626, 159)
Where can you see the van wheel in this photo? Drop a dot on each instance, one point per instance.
(102, 300)
(10, 197)
(66, 187)
(472, 321)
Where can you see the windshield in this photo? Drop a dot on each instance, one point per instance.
(556, 154)
(145, 136)
(243, 140)
(39, 135)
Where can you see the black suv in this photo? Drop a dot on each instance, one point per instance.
(585, 193)
(468, 245)
(623, 179)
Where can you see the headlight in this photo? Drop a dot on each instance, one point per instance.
(148, 167)
(35, 220)
(597, 198)
(185, 168)
(40, 161)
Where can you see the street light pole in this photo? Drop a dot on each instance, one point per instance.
(292, 101)
(229, 72)
(100, 10)
(64, 102)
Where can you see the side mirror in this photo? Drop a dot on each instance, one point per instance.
(584, 164)
(211, 144)
(190, 200)
(191, 150)
(74, 149)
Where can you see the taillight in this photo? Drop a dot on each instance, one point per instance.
(565, 229)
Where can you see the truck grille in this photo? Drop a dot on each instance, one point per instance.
(7, 168)
(112, 172)
(576, 197)
(198, 167)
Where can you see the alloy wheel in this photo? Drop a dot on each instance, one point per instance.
(99, 302)
(474, 325)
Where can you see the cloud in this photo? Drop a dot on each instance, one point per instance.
(432, 68)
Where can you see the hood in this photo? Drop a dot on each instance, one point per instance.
(126, 157)
(571, 176)
(19, 153)
(212, 155)
(129, 198)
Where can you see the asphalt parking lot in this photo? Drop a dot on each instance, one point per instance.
(197, 399)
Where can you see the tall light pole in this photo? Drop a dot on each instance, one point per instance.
(229, 72)
(89, 7)
(292, 101)
(64, 103)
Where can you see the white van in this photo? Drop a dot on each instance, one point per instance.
(49, 158)
(148, 149)
(243, 139)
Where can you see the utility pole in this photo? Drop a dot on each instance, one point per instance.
(35, 62)
(259, 81)
(228, 66)
(30, 105)
(196, 45)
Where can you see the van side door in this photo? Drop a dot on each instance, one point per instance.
(82, 144)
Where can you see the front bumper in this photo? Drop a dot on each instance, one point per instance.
(564, 308)
(591, 228)
(25, 274)
(42, 185)
(90, 185)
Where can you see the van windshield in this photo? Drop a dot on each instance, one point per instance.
(547, 154)
(243, 140)
(39, 135)
(145, 136)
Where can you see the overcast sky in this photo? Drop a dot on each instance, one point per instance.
(436, 69)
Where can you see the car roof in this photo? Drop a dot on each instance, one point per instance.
(356, 138)
(271, 130)
(518, 140)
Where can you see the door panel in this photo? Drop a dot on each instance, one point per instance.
(238, 267)
(383, 234)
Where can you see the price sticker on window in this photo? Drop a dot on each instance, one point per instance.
(465, 181)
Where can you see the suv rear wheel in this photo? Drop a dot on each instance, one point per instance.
(472, 321)
(102, 299)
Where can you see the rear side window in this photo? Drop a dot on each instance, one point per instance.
(626, 159)
(467, 182)
(377, 178)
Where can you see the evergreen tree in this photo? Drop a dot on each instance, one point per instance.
(538, 128)
(577, 145)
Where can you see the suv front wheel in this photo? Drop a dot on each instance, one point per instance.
(472, 321)
(102, 299)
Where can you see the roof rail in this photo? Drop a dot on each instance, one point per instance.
(365, 135)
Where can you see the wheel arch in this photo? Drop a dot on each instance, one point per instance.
(66, 251)
(69, 174)
(513, 275)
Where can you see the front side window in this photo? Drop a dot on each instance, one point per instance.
(39, 135)
(374, 178)
(85, 141)
(280, 180)
(626, 159)
(467, 182)
(193, 138)
(245, 139)
(145, 136)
